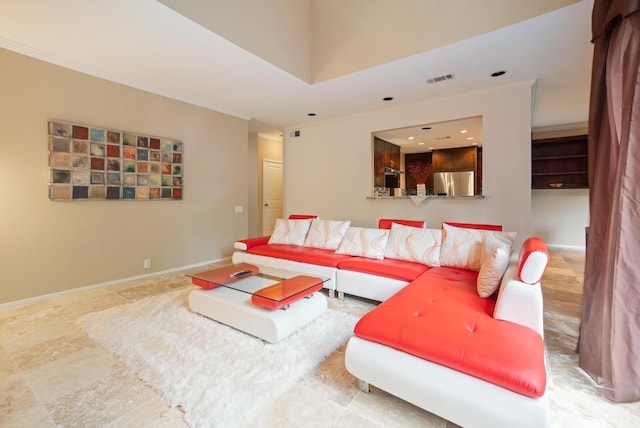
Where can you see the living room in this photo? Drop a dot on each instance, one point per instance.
(55, 248)
(216, 174)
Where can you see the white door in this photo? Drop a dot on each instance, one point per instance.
(271, 195)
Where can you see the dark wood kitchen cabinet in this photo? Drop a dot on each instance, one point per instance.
(386, 163)
(457, 159)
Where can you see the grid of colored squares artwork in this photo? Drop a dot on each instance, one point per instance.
(87, 162)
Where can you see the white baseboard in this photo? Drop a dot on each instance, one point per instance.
(104, 284)
(567, 247)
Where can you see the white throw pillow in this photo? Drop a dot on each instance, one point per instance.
(364, 242)
(414, 244)
(326, 234)
(467, 248)
(292, 232)
(492, 270)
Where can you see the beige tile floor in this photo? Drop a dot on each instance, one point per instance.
(52, 374)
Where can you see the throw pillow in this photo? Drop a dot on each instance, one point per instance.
(467, 248)
(292, 232)
(414, 244)
(364, 242)
(326, 234)
(492, 270)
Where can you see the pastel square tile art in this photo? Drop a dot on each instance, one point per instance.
(95, 163)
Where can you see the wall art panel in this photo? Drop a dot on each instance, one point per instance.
(94, 163)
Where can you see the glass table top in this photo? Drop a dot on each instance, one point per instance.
(247, 278)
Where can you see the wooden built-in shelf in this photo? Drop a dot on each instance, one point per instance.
(559, 163)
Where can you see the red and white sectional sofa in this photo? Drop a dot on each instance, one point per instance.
(459, 331)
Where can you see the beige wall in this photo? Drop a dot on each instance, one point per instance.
(47, 246)
(560, 216)
(253, 203)
(328, 168)
(261, 147)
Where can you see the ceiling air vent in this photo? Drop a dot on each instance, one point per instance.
(441, 78)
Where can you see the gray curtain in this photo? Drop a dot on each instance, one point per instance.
(609, 343)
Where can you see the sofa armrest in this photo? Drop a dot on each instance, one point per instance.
(245, 244)
(519, 302)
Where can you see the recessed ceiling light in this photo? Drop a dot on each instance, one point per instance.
(421, 144)
(498, 73)
(311, 114)
(411, 138)
(464, 131)
(431, 148)
(469, 138)
(474, 144)
(387, 99)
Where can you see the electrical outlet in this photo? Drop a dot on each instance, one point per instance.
(147, 263)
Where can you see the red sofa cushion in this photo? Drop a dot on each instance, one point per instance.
(245, 244)
(301, 216)
(385, 223)
(440, 318)
(300, 254)
(480, 226)
(389, 268)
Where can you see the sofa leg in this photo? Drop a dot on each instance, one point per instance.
(363, 386)
(332, 293)
(340, 295)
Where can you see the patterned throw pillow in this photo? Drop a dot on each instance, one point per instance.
(414, 244)
(364, 242)
(326, 234)
(492, 270)
(292, 232)
(468, 248)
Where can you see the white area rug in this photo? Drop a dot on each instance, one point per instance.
(219, 376)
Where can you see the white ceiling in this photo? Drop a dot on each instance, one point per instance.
(426, 137)
(144, 44)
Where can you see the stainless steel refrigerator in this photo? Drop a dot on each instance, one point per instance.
(458, 183)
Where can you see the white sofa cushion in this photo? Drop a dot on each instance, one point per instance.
(414, 244)
(326, 234)
(519, 302)
(364, 242)
(468, 248)
(292, 232)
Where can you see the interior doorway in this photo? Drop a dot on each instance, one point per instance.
(271, 194)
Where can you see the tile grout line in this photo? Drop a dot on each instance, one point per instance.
(20, 372)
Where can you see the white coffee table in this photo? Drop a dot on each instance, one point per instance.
(270, 307)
